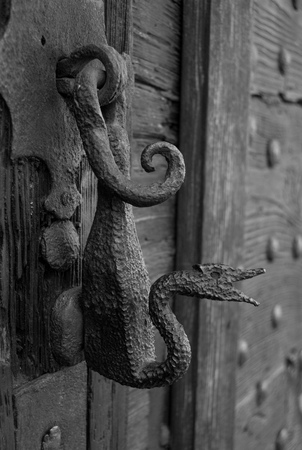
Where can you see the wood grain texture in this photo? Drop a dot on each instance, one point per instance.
(214, 113)
(277, 26)
(273, 208)
(262, 421)
(36, 36)
(58, 399)
(118, 21)
(7, 438)
(155, 109)
(32, 285)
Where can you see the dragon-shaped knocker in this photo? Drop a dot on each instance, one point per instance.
(115, 303)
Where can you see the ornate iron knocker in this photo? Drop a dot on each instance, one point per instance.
(115, 305)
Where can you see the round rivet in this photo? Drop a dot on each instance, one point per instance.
(297, 246)
(276, 315)
(300, 403)
(282, 438)
(272, 248)
(52, 439)
(252, 128)
(261, 392)
(243, 352)
(164, 436)
(273, 152)
(291, 360)
(255, 56)
(60, 244)
(284, 60)
(67, 328)
(300, 361)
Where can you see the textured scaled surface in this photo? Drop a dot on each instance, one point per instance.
(115, 281)
(119, 340)
(60, 244)
(67, 328)
(210, 281)
(111, 163)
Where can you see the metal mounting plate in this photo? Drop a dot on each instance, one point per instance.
(37, 35)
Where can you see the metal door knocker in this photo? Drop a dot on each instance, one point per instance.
(109, 319)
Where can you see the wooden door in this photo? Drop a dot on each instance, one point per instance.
(268, 397)
(43, 404)
(220, 79)
(241, 60)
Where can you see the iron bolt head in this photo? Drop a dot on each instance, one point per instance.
(276, 315)
(300, 403)
(252, 128)
(293, 362)
(243, 352)
(261, 392)
(272, 248)
(60, 245)
(255, 56)
(273, 152)
(300, 361)
(282, 439)
(52, 439)
(164, 436)
(297, 246)
(284, 60)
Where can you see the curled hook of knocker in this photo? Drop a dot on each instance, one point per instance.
(115, 308)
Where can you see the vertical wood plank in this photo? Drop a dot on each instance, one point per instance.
(118, 22)
(7, 436)
(108, 400)
(7, 439)
(213, 138)
(156, 62)
(273, 210)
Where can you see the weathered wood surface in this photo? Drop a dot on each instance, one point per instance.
(277, 31)
(107, 403)
(273, 209)
(53, 399)
(213, 127)
(107, 400)
(261, 421)
(118, 22)
(7, 439)
(155, 108)
(37, 35)
(33, 286)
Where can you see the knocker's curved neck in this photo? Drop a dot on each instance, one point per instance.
(95, 136)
